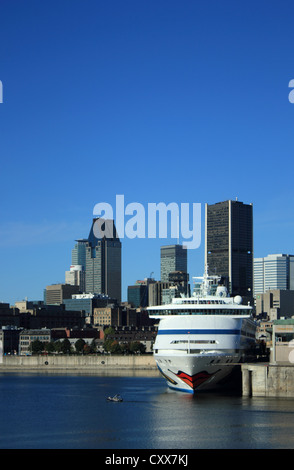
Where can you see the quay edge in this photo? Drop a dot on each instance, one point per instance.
(257, 379)
(268, 380)
(77, 363)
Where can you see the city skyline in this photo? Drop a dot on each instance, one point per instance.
(159, 101)
(79, 257)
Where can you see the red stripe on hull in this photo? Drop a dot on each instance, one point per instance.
(194, 380)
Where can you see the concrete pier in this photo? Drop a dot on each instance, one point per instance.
(257, 379)
(268, 380)
(77, 363)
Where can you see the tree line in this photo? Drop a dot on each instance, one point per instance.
(110, 345)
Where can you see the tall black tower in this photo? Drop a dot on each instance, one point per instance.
(229, 245)
(103, 259)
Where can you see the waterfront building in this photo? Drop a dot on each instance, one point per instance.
(264, 333)
(229, 245)
(114, 315)
(172, 258)
(27, 337)
(129, 334)
(275, 271)
(28, 305)
(283, 342)
(52, 316)
(109, 315)
(88, 335)
(9, 339)
(87, 303)
(275, 304)
(9, 315)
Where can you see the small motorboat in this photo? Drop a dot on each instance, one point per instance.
(115, 398)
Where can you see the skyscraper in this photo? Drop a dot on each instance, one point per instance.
(78, 254)
(103, 260)
(273, 272)
(172, 258)
(76, 277)
(229, 245)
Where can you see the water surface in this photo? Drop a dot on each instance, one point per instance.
(70, 411)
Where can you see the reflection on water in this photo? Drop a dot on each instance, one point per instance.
(216, 421)
(71, 411)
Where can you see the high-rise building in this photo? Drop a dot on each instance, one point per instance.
(155, 292)
(78, 254)
(172, 258)
(229, 245)
(56, 293)
(77, 273)
(138, 293)
(76, 277)
(103, 260)
(273, 272)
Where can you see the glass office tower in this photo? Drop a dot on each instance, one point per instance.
(103, 260)
(78, 254)
(172, 258)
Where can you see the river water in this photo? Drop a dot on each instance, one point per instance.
(54, 411)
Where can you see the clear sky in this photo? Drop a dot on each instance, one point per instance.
(158, 100)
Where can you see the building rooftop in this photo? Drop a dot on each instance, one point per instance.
(286, 321)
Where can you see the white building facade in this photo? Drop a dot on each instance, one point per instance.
(273, 272)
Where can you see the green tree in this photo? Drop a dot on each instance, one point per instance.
(108, 332)
(58, 346)
(87, 349)
(107, 344)
(79, 345)
(65, 346)
(50, 347)
(115, 348)
(93, 346)
(137, 347)
(125, 348)
(36, 346)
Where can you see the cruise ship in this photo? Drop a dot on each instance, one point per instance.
(201, 338)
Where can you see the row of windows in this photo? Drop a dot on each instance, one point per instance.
(203, 302)
(200, 341)
(202, 312)
(34, 338)
(197, 351)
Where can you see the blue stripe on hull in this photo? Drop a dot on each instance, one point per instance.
(181, 389)
(198, 332)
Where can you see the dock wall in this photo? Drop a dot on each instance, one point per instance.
(258, 380)
(267, 380)
(77, 363)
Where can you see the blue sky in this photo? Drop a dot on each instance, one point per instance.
(161, 101)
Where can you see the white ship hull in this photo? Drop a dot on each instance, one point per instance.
(193, 373)
(198, 352)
